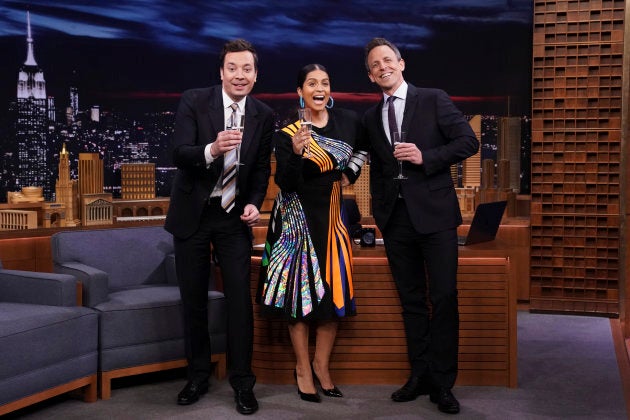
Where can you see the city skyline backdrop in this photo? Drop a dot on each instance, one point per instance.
(479, 51)
(134, 60)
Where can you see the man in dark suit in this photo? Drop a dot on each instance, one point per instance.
(418, 216)
(215, 202)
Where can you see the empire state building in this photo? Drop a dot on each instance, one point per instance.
(32, 122)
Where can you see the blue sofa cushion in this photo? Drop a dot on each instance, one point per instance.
(44, 346)
(139, 318)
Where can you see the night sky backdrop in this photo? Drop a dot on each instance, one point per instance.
(140, 55)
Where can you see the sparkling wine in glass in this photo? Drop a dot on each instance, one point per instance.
(240, 126)
(237, 122)
(306, 121)
(399, 137)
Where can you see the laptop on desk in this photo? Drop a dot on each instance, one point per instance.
(485, 223)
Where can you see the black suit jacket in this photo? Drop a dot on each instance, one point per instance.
(444, 137)
(200, 117)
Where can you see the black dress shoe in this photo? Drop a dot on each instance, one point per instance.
(332, 392)
(446, 401)
(191, 392)
(245, 401)
(415, 386)
(303, 395)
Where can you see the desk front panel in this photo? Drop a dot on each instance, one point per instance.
(371, 347)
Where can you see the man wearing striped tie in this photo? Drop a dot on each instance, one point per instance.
(221, 181)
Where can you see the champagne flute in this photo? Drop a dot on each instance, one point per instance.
(236, 122)
(306, 121)
(239, 125)
(399, 137)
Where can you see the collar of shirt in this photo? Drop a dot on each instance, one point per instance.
(401, 93)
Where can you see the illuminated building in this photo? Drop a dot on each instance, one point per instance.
(137, 181)
(32, 122)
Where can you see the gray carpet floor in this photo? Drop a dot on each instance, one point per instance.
(567, 370)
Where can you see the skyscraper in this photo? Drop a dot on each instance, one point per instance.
(74, 100)
(32, 122)
(509, 148)
(67, 191)
(471, 167)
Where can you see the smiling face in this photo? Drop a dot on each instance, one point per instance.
(385, 69)
(238, 74)
(315, 90)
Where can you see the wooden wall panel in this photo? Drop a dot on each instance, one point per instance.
(576, 156)
(30, 254)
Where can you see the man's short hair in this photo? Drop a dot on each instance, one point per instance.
(238, 45)
(377, 42)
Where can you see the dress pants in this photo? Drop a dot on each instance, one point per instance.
(421, 263)
(232, 244)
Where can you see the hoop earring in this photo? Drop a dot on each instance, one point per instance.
(331, 102)
(301, 102)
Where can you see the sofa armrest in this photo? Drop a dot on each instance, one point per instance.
(94, 281)
(38, 288)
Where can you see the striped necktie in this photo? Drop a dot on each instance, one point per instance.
(228, 184)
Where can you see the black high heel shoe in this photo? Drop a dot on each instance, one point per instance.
(303, 395)
(333, 392)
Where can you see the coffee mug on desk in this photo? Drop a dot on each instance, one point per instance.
(367, 237)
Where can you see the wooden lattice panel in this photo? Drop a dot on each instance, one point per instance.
(576, 155)
(362, 192)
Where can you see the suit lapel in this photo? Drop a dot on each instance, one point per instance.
(216, 122)
(410, 108)
(379, 119)
(251, 123)
(216, 112)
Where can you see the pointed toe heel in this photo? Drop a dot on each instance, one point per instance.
(333, 392)
(315, 398)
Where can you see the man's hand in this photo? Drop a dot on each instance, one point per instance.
(250, 215)
(226, 141)
(408, 152)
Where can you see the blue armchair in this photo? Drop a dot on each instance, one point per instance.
(128, 276)
(48, 344)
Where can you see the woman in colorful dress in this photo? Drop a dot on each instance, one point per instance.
(306, 273)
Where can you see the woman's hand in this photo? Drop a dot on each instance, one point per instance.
(299, 140)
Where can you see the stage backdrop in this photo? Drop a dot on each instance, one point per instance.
(112, 72)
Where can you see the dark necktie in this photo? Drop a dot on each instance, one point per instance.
(391, 118)
(228, 184)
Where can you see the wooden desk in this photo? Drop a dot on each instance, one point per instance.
(514, 232)
(371, 347)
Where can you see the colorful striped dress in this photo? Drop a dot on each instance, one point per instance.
(306, 268)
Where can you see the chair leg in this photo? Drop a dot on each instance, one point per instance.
(105, 385)
(90, 393)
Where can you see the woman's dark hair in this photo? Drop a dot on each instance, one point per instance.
(306, 70)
